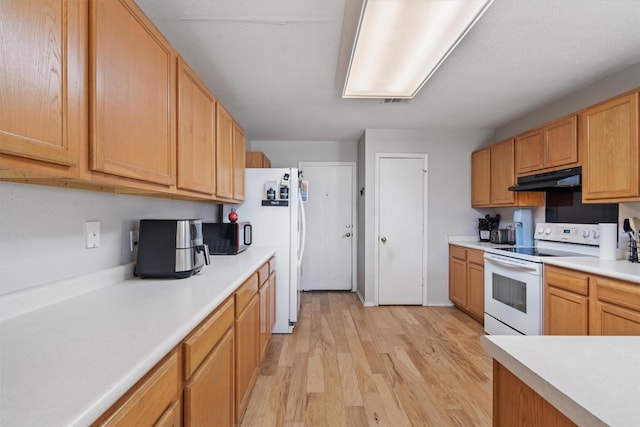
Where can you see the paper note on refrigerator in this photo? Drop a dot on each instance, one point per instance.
(304, 190)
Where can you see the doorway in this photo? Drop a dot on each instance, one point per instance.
(400, 221)
(330, 250)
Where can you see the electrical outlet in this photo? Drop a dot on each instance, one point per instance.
(133, 239)
(92, 234)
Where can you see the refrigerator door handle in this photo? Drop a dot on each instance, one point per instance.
(303, 228)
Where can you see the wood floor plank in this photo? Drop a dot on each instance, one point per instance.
(347, 365)
(348, 381)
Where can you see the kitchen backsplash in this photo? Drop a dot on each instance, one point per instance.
(42, 231)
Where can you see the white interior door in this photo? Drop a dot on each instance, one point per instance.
(329, 251)
(401, 212)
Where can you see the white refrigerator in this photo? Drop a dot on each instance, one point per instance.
(273, 205)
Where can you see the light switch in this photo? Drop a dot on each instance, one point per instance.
(92, 234)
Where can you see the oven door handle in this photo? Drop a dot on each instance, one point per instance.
(512, 265)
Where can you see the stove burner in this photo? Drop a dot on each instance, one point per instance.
(533, 251)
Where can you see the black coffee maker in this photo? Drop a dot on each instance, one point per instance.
(485, 225)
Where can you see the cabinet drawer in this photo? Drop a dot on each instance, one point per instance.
(151, 398)
(475, 256)
(245, 292)
(263, 274)
(206, 336)
(569, 280)
(617, 292)
(458, 252)
(272, 265)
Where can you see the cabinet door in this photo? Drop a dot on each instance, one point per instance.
(475, 290)
(247, 353)
(561, 142)
(502, 173)
(43, 83)
(272, 301)
(238, 162)
(265, 322)
(616, 308)
(481, 178)
(224, 153)
(565, 313)
(610, 132)
(529, 152)
(196, 133)
(209, 396)
(133, 95)
(611, 319)
(458, 281)
(566, 301)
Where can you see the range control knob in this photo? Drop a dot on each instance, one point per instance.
(585, 233)
(540, 230)
(596, 234)
(547, 231)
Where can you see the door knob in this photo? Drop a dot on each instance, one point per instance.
(348, 234)
(383, 239)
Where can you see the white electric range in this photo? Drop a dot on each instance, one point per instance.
(513, 280)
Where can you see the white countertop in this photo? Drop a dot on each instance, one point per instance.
(66, 363)
(618, 269)
(593, 380)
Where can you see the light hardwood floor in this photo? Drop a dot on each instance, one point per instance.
(346, 365)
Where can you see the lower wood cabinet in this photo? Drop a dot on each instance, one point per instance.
(209, 370)
(247, 353)
(566, 302)
(267, 304)
(207, 379)
(209, 396)
(578, 303)
(466, 280)
(517, 404)
(154, 400)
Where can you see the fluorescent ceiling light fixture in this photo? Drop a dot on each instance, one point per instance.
(400, 44)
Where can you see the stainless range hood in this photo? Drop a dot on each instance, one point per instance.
(565, 179)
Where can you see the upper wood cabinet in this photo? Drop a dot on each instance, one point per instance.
(610, 140)
(224, 153)
(238, 162)
(133, 122)
(502, 173)
(481, 177)
(43, 85)
(257, 159)
(552, 146)
(492, 173)
(196, 133)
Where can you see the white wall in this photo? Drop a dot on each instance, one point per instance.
(449, 193)
(42, 230)
(613, 85)
(284, 154)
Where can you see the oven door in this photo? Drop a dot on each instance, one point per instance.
(513, 296)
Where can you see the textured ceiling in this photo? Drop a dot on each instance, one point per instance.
(272, 63)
